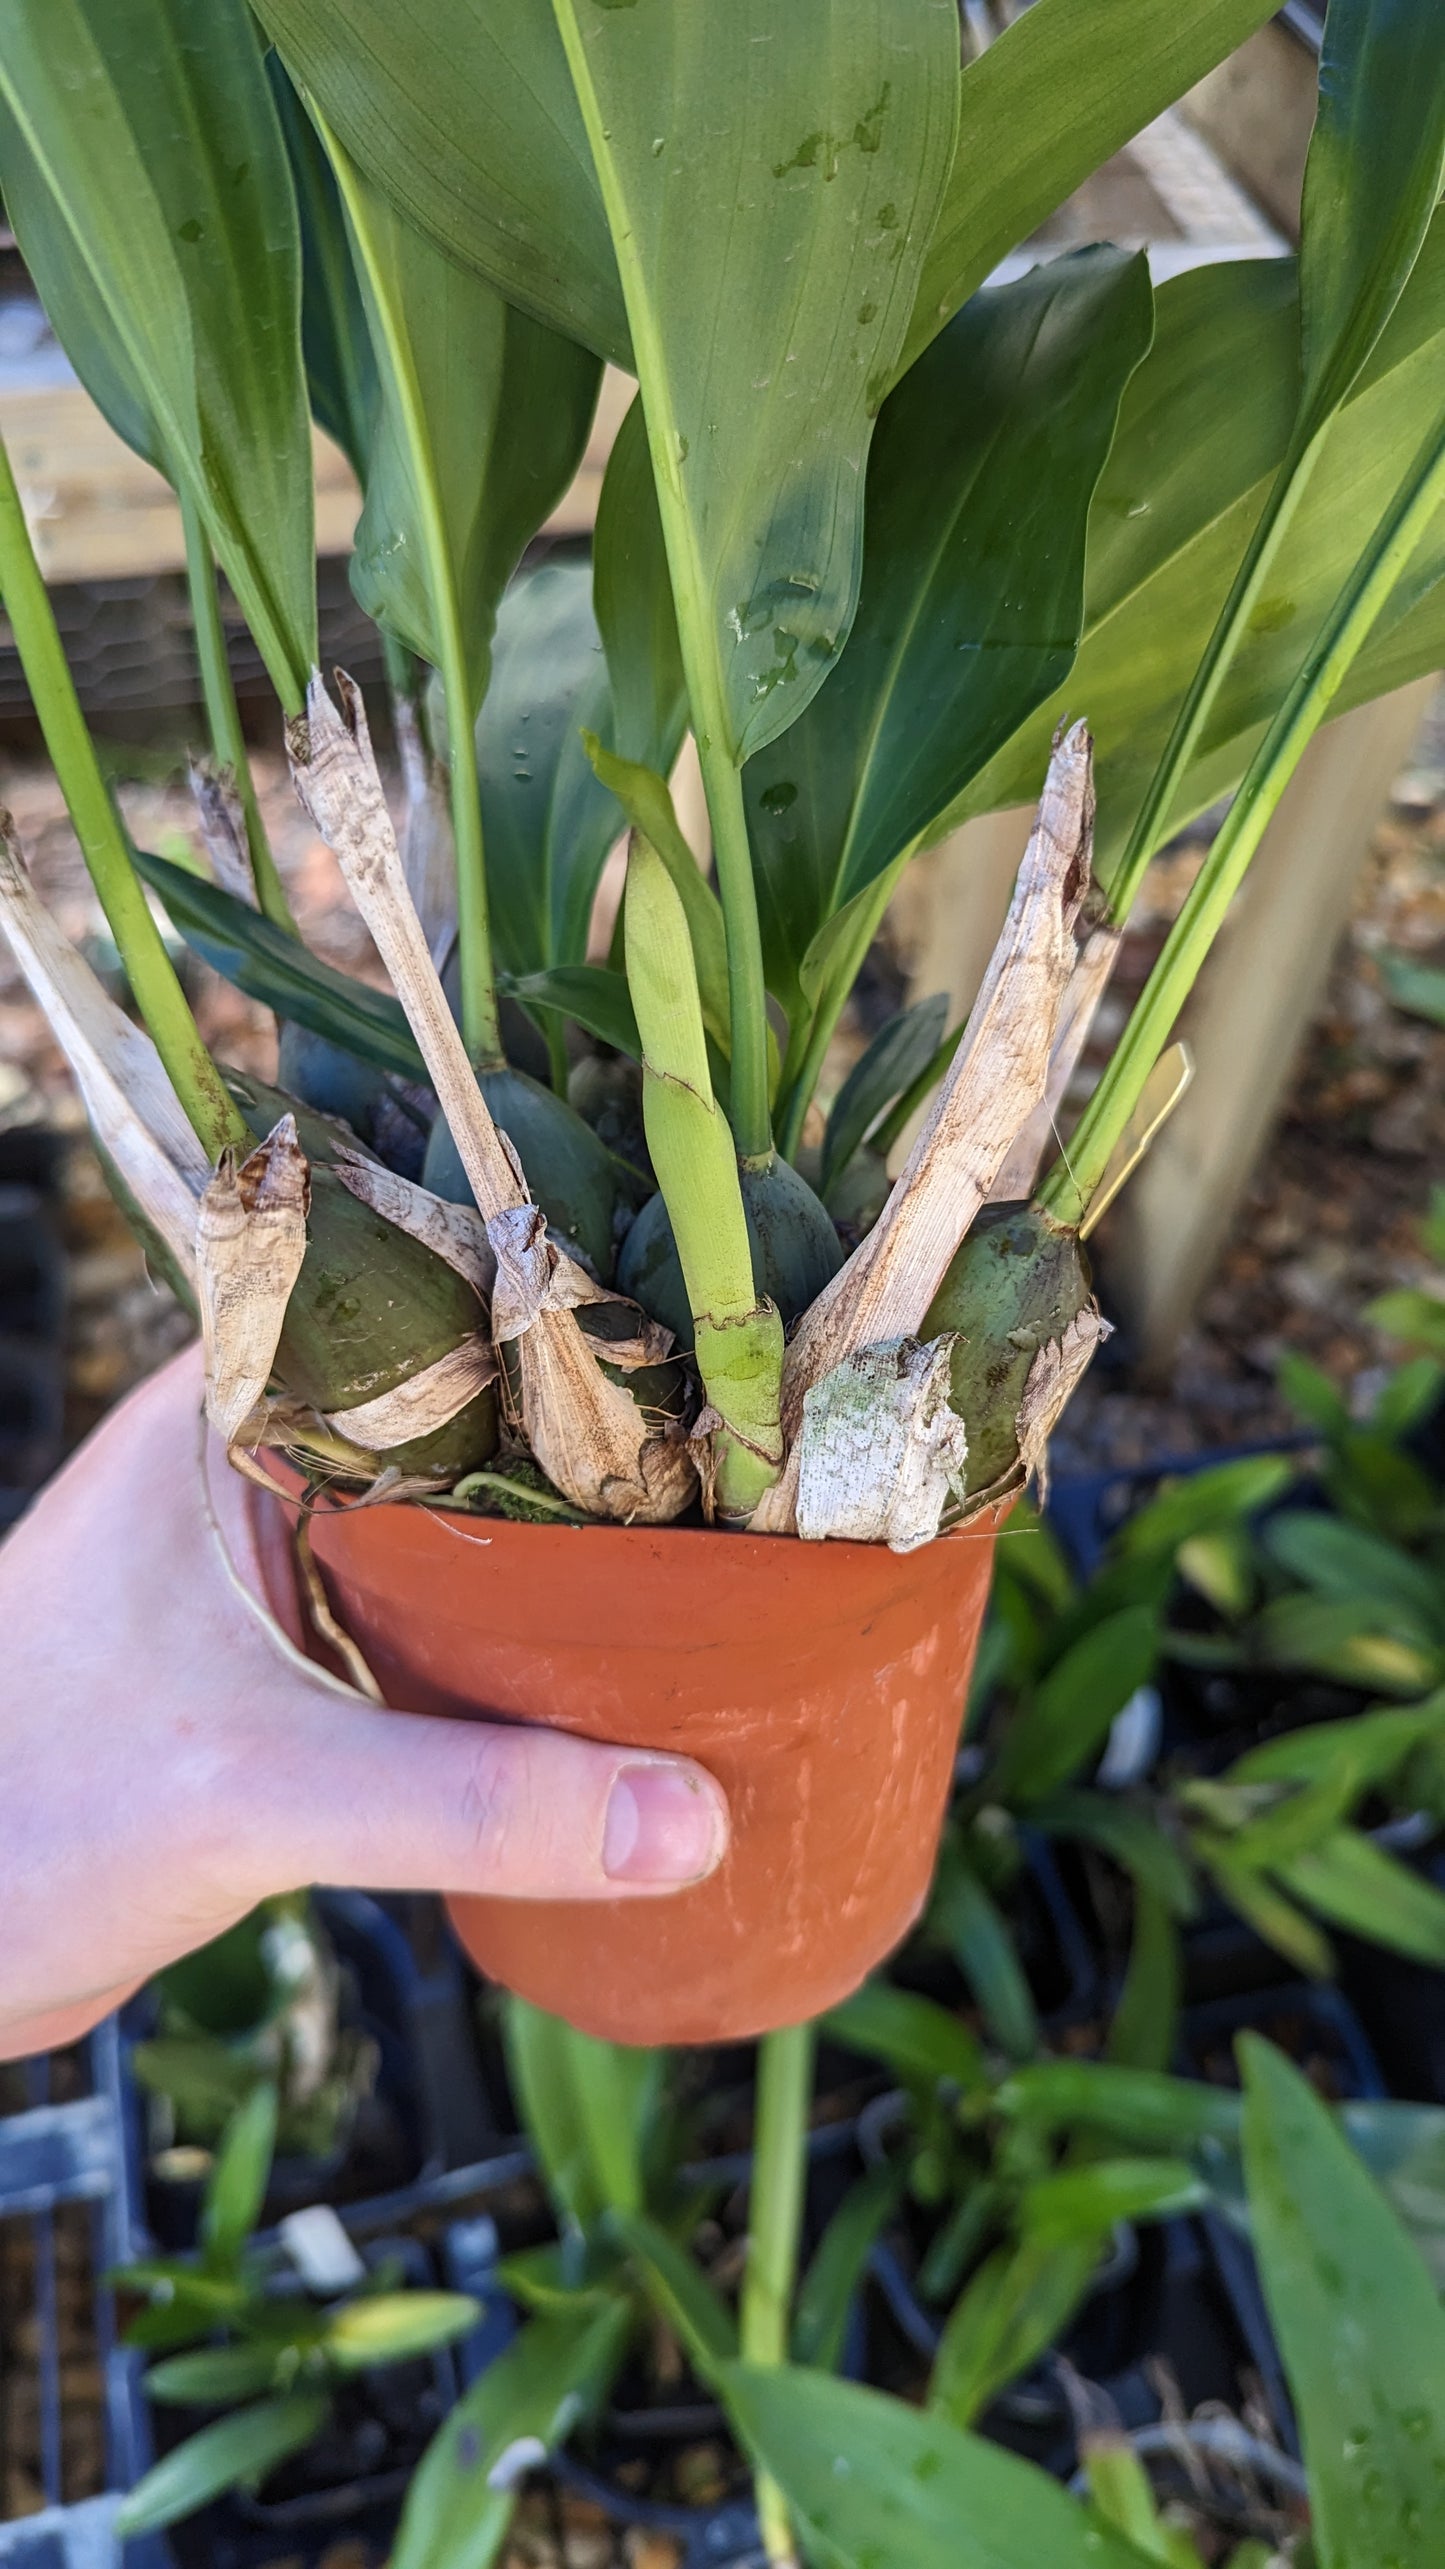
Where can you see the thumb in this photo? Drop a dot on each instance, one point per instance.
(404, 1802)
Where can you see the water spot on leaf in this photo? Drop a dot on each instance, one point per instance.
(868, 132)
(240, 173)
(191, 229)
(1416, 2423)
(928, 2465)
(886, 218)
(779, 797)
(867, 312)
(468, 2451)
(806, 155)
(659, 146)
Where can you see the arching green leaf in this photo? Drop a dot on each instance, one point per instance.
(874, 2485)
(1375, 169)
(1062, 88)
(982, 470)
(1359, 2326)
(464, 115)
(632, 597)
(771, 178)
(341, 375)
(1202, 429)
(145, 173)
(547, 822)
(484, 416)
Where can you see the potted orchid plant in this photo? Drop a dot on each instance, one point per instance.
(549, 1241)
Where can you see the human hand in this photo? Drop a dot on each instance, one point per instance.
(164, 1765)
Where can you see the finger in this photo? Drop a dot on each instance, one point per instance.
(403, 1802)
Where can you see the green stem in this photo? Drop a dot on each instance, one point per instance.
(749, 1112)
(748, 1109)
(775, 2220)
(149, 970)
(1070, 1186)
(474, 939)
(1151, 822)
(223, 714)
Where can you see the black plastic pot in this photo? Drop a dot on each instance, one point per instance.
(32, 1313)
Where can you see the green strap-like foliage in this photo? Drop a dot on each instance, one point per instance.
(144, 170)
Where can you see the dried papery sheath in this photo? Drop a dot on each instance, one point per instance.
(1053, 1376)
(587, 1433)
(250, 1244)
(881, 1452)
(131, 1104)
(223, 829)
(425, 1402)
(335, 774)
(998, 1077)
(1087, 984)
(456, 1232)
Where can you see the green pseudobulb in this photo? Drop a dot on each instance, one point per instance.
(371, 1306)
(795, 1250)
(1013, 1287)
(569, 1172)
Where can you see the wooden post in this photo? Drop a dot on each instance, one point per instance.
(945, 917)
(1246, 1020)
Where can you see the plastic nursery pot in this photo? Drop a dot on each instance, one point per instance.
(821, 1683)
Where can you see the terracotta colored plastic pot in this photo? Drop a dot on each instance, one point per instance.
(822, 1683)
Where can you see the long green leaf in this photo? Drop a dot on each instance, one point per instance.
(972, 599)
(588, 2106)
(1345, 1561)
(1085, 2203)
(477, 399)
(632, 596)
(1359, 2326)
(1375, 171)
(913, 2036)
(388, 2327)
(1362, 1887)
(589, 993)
(1376, 160)
(827, 2291)
(548, 822)
(1202, 429)
(1139, 2108)
(1131, 1836)
(269, 965)
(1018, 2303)
(341, 375)
(735, 146)
(243, 2447)
(1067, 1719)
(465, 116)
(145, 173)
(972, 1925)
(1145, 2020)
(215, 2376)
(874, 2485)
(237, 2185)
(1062, 88)
(679, 2291)
(900, 1050)
(463, 2493)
